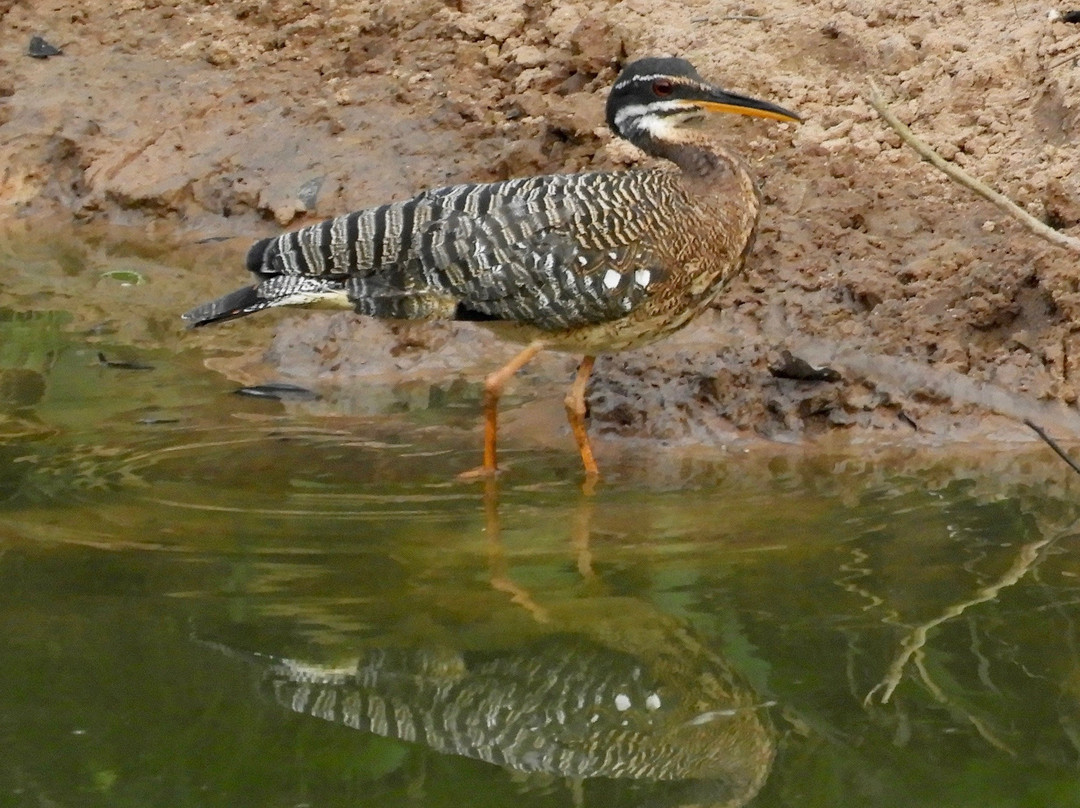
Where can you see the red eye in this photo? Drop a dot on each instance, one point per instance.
(662, 87)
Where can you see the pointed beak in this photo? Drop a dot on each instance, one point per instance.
(722, 101)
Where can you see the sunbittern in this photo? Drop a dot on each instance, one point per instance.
(585, 263)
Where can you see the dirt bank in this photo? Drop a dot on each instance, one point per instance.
(240, 117)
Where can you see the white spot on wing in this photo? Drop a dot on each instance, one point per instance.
(642, 277)
(652, 702)
(611, 279)
(622, 702)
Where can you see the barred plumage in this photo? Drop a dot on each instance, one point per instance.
(582, 262)
(569, 704)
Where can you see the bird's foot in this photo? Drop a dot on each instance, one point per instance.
(588, 485)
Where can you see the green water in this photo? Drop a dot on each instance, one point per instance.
(867, 628)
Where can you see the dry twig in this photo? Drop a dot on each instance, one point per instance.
(1053, 444)
(963, 178)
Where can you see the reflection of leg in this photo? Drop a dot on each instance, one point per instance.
(577, 792)
(579, 538)
(493, 387)
(575, 413)
(416, 779)
(500, 578)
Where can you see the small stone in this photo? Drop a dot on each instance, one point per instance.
(283, 214)
(40, 49)
(529, 56)
(897, 53)
(309, 192)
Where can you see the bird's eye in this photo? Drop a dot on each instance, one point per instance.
(663, 87)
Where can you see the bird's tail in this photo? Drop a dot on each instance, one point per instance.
(233, 305)
(279, 290)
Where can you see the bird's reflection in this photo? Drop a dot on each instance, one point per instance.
(605, 687)
(567, 705)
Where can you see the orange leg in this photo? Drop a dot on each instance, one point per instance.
(575, 413)
(493, 387)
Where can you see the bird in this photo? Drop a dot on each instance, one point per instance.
(584, 263)
(634, 696)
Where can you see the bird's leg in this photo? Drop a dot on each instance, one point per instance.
(493, 387)
(575, 413)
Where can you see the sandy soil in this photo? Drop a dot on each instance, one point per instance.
(241, 117)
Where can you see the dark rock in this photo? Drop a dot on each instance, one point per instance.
(40, 49)
(792, 367)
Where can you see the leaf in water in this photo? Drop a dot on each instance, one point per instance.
(278, 391)
(121, 364)
(126, 277)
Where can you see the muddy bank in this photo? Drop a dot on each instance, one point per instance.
(241, 117)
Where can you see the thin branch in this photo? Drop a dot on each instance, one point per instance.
(1053, 444)
(1067, 47)
(963, 178)
(915, 641)
(1071, 57)
(980, 725)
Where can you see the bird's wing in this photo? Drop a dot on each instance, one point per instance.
(538, 254)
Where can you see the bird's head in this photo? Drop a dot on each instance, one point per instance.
(652, 96)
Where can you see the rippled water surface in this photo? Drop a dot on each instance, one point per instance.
(210, 599)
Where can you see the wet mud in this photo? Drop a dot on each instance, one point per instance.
(183, 120)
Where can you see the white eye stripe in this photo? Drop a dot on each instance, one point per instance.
(655, 109)
(648, 79)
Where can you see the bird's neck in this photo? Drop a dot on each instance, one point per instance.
(699, 157)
